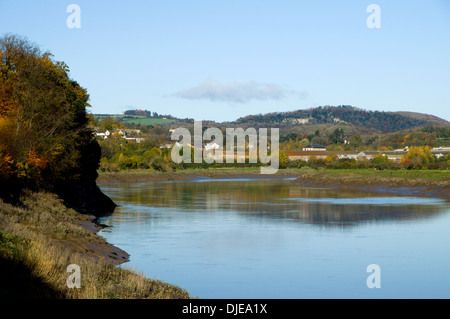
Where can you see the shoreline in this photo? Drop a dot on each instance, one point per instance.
(407, 183)
(42, 236)
(381, 184)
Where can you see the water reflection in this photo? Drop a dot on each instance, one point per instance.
(276, 239)
(268, 199)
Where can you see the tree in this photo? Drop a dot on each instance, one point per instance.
(44, 132)
(109, 123)
(337, 136)
(331, 159)
(380, 161)
(417, 157)
(283, 159)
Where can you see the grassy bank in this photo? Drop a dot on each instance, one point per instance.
(416, 182)
(40, 237)
(148, 175)
(435, 183)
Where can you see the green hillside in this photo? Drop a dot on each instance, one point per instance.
(379, 120)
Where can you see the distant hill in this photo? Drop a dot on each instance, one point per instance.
(380, 120)
(431, 119)
(128, 119)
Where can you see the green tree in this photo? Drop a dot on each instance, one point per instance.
(337, 136)
(380, 161)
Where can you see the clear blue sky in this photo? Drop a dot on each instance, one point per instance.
(220, 60)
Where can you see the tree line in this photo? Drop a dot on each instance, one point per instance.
(343, 137)
(380, 120)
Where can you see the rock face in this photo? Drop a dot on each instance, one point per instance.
(85, 197)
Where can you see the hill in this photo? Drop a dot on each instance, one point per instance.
(379, 120)
(431, 119)
(129, 120)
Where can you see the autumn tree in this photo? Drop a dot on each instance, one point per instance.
(283, 159)
(108, 123)
(45, 138)
(417, 157)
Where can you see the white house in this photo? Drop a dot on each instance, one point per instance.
(103, 134)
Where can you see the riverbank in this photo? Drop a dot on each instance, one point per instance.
(142, 175)
(434, 183)
(40, 237)
(429, 183)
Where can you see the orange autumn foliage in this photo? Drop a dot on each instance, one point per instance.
(35, 160)
(44, 134)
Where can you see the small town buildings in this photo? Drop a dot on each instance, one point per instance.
(103, 134)
(314, 147)
(128, 134)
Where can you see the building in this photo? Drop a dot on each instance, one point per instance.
(314, 147)
(122, 133)
(395, 156)
(134, 139)
(103, 134)
(307, 155)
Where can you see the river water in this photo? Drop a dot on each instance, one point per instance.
(257, 238)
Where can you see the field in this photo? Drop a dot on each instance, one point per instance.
(133, 119)
(140, 120)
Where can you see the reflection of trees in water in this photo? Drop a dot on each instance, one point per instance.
(348, 215)
(269, 199)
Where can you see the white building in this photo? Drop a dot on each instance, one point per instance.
(314, 147)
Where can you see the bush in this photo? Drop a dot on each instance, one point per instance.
(418, 157)
(380, 161)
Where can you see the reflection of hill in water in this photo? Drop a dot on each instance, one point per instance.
(276, 199)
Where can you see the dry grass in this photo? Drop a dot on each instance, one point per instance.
(40, 237)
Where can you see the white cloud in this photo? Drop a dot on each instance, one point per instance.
(237, 92)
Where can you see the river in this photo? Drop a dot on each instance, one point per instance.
(272, 238)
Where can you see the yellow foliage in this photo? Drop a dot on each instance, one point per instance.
(332, 157)
(418, 156)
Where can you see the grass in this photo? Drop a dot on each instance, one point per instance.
(145, 121)
(40, 237)
(135, 119)
(143, 175)
(438, 175)
(415, 174)
(434, 183)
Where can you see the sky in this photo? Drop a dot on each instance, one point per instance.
(221, 60)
